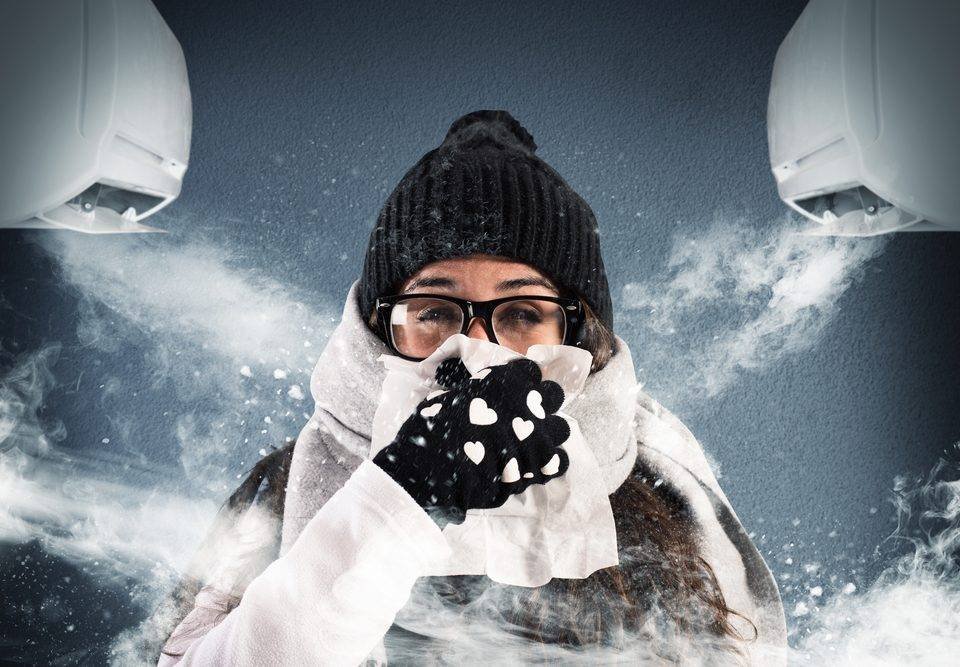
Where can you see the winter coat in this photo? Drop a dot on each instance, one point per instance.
(317, 552)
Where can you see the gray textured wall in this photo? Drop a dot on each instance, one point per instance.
(307, 114)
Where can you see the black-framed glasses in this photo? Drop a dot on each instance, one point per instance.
(415, 325)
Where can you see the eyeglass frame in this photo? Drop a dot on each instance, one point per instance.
(573, 315)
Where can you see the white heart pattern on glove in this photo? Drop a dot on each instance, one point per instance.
(522, 427)
(480, 414)
(553, 465)
(474, 451)
(511, 472)
(431, 410)
(535, 404)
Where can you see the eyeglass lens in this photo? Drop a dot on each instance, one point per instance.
(420, 325)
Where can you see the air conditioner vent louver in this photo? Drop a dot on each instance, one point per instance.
(119, 200)
(830, 206)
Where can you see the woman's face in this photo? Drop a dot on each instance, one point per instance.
(483, 278)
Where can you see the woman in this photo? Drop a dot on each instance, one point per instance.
(322, 554)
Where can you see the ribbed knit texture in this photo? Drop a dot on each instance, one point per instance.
(483, 190)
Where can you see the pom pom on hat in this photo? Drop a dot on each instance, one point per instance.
(489, 125)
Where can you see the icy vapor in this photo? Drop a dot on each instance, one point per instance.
(735, 298)
(220, 334)
(911, 614)
(74, 505)
(224, 349)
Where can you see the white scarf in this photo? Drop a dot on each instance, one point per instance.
(347, 378)
(346, 386)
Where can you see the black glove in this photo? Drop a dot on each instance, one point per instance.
(480, 441)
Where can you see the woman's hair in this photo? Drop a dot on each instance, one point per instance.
(598, 339)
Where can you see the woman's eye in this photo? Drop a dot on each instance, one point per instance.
(434, 315)
(521, 316)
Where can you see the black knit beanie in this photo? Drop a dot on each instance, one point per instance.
(484, 191)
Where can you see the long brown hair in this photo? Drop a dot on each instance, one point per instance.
(663, 593)
(597, 338)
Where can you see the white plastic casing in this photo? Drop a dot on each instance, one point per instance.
(864, 116)
(93, 92)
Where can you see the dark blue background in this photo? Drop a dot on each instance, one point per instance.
(306, 114)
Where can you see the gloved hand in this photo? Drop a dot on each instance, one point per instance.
(480, 440)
